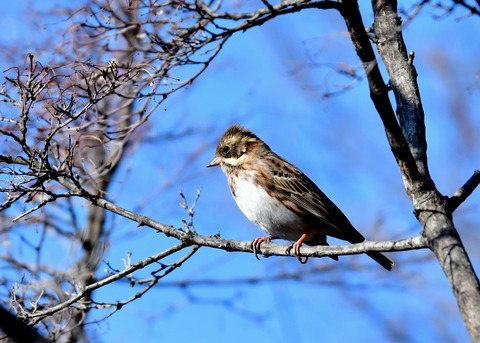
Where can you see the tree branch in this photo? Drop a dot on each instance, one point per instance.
(379, 93)
(273, 249)
(464, 192)
(242, 246)
(88, 289)
(403, 80)
(430, 206)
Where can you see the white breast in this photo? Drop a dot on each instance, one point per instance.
(267, 212)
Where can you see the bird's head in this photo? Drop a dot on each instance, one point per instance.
(236, 146)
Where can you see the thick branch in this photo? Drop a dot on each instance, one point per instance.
(430, 206)
(379, 92)
(444, 241)
(403, 80)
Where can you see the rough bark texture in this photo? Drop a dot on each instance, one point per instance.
(405, 132)
(430, 206)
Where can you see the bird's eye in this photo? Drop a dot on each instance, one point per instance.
(226, 149)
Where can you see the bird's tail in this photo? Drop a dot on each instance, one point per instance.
(381, 259)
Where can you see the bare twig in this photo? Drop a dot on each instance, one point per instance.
(37, 316)
(151, 282)
(464, 192)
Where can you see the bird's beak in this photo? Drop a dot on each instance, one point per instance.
(215, 162)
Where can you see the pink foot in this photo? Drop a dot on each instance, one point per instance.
(296, 248)
(257, 241)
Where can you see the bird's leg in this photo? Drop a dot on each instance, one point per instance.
(296, 248)
(257, 241)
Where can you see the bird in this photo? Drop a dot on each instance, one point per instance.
(279, 198)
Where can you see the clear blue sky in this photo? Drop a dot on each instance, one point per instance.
(271, 80)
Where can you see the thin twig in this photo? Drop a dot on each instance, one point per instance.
(464, 192)
(86, 290)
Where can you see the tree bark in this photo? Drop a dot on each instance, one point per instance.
(405, 130)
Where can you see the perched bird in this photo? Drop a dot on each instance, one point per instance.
(277, 197)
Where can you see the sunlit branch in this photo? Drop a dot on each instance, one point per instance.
(379, 91)
(231, 245)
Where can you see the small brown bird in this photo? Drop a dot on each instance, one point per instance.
(278, 198)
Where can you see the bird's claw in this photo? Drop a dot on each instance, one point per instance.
(295, 246)
(256, 244)
(296, 252)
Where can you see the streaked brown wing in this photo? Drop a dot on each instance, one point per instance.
(303, 192)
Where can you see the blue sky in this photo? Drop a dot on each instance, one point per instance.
(271, 79)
